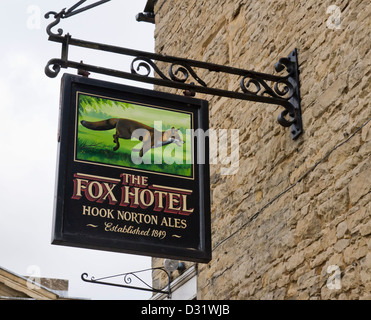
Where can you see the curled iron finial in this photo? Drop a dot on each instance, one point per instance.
(84, 276)
(283, 121)
(284, 63)
(57, 17)
(53, 67)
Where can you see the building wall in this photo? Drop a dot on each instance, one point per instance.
(297, 213)
(16, 287)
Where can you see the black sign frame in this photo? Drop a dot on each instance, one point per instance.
(110, 207)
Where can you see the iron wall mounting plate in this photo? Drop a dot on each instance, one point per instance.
(295, 119)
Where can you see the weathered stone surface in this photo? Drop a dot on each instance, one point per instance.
(310, 198)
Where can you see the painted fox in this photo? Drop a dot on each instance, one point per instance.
(126, 129)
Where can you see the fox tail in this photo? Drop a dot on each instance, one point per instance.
(100, 125)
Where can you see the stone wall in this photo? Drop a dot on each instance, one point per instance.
(294, 223)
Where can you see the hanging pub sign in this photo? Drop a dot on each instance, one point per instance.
(133, 172)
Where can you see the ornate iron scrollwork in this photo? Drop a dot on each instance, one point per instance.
(185, 70)
(181, 73)
(149, 65)
(285, 93)
(128, 279)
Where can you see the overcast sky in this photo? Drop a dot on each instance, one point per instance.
(29, 102)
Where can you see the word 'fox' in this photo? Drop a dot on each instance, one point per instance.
(127, 129)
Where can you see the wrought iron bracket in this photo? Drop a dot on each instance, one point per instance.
(128, 278)
(282, 90)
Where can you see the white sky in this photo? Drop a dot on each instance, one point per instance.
(29, 102)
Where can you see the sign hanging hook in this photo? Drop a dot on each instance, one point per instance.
(69, 13)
